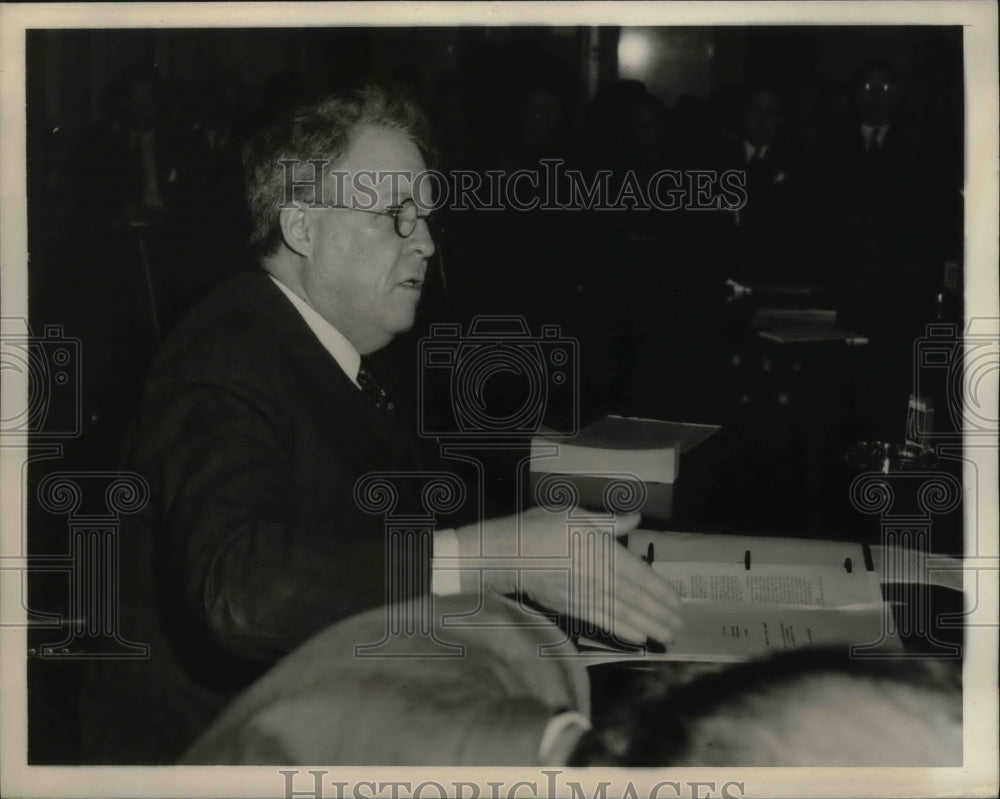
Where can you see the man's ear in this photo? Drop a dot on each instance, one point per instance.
(295, 229)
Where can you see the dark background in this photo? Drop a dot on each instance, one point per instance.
(642, 294)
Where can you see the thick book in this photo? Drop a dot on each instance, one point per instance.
(797, 334)
(648, 449)
(617, 463)
(747, 596)
(787, 325)
(619, 494)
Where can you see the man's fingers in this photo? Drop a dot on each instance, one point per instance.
(626, 523)
(630, 609)
(636, 596)
(629, 625)
(633, 573)
(608, 585)
(599, 606)
(656, 622)
(628, 633)
(641, 601)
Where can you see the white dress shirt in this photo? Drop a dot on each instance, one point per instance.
(444, 581)
(333, 341)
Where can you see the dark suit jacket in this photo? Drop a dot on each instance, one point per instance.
(877, 195)
(887, 227)
(252, 439)
(765, 247)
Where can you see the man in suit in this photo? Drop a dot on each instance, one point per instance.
(875, 171)
(259, 417)
(763, 239)
(884, 270)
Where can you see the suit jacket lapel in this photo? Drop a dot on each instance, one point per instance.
(321, 375)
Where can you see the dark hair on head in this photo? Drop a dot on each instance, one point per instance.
(873, 65)
(750, 91)
(318, 130)
(659, 726)
(114, 97)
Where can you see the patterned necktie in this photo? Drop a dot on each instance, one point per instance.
(374, 392)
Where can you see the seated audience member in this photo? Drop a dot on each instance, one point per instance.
(495, 701)
(259, 417)
(507, 701)
(809, 707)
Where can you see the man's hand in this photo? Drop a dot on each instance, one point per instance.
(572, 566)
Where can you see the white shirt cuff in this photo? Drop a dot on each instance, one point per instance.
(445, 575)
(558, 726)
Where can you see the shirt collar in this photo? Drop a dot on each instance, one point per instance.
(333, 341)
(867, 131)
(750, 150)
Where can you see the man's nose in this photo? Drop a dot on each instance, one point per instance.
(420, 240)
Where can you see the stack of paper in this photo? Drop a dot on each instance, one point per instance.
(747, 596)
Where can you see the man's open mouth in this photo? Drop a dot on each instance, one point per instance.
(413, 283)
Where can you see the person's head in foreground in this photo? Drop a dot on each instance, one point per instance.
(339, 210)
(502, 702)
(804, 708)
